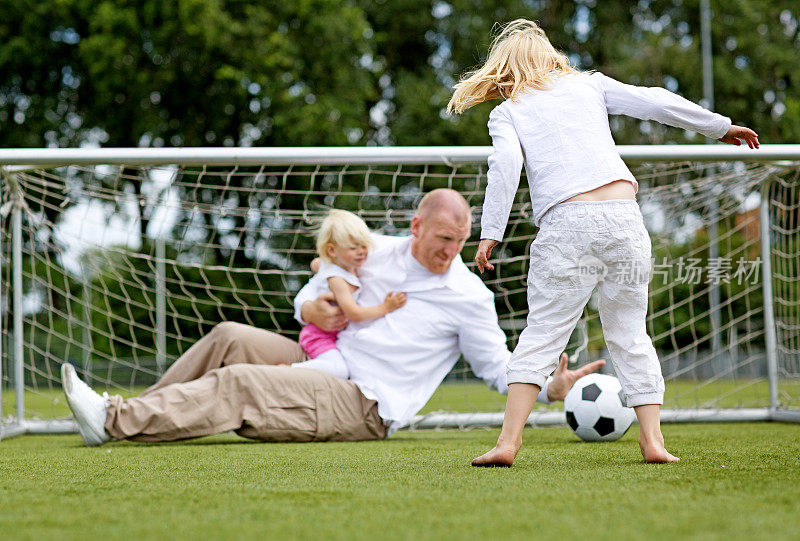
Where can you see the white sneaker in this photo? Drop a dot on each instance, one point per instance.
(88, 407)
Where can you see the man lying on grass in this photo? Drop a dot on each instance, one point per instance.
(247, 380)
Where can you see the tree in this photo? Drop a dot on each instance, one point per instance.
(185, 73)
(425, 46)
(324, 72)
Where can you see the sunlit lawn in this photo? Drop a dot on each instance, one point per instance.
(735, 481)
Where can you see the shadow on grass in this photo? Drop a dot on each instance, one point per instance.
(227, 439)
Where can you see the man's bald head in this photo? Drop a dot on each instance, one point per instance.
(445, 202)
(440, 227)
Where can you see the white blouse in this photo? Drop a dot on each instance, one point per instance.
(563, 137)
(319, 282)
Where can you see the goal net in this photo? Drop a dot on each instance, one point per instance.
(119, 263)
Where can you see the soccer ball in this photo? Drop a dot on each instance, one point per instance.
(594, 409)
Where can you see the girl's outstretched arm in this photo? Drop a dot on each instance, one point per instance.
(344, 298)
(661, 105)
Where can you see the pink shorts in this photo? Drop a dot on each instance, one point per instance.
(315, 341)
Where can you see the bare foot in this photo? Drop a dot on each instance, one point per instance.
(656, 454)
(498, 457)
(654, 451)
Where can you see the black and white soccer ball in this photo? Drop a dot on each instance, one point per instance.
(594, 409)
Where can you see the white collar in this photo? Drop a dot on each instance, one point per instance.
(453, 277)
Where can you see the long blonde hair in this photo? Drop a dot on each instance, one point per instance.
(520, 56)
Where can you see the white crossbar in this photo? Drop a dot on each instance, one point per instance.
(359, 155)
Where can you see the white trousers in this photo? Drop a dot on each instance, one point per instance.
(580, 246)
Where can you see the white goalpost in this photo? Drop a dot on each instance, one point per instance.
(118, 260)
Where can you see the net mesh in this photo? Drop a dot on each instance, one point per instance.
(784, 197)
(125, 267)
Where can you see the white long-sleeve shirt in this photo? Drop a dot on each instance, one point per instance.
(401, 358)
(563, 138)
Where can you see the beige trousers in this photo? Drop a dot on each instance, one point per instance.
(228, 381)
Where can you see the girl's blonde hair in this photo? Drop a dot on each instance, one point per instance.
(341, 228)
(520, 56)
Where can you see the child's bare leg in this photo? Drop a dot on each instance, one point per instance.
(651, 441)
(521, 397)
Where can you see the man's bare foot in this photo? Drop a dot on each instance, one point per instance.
(499, 457)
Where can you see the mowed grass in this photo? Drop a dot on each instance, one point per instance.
(735, 481)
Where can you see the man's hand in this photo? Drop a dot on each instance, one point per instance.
(485, 248)
(323, 313)
(740, 132)
(564, 379)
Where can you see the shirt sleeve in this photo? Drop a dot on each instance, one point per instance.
(505, 166)
(483, 345)
(661, 105)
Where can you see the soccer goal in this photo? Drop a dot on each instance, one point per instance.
(118, 260)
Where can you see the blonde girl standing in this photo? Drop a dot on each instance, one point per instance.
(554, 119)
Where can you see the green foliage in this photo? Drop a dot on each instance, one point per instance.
(184, 73)
(215, 72)
(198, 296)
(756, 47)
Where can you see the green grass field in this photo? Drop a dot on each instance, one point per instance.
(735, 481)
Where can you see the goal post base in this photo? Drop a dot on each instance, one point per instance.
(479, 420)
(11, 430)
(556, 418)
(785, 416)
(55, 426)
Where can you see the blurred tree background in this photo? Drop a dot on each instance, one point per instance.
(339, 72)
(150, 73)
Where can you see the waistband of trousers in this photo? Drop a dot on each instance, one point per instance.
(582, 215)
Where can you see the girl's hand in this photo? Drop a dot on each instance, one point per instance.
(393, 301)
(484, 251)
(740, 132)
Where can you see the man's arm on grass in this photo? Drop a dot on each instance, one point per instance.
(484, 347)
(483, 344)
(562, 380)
